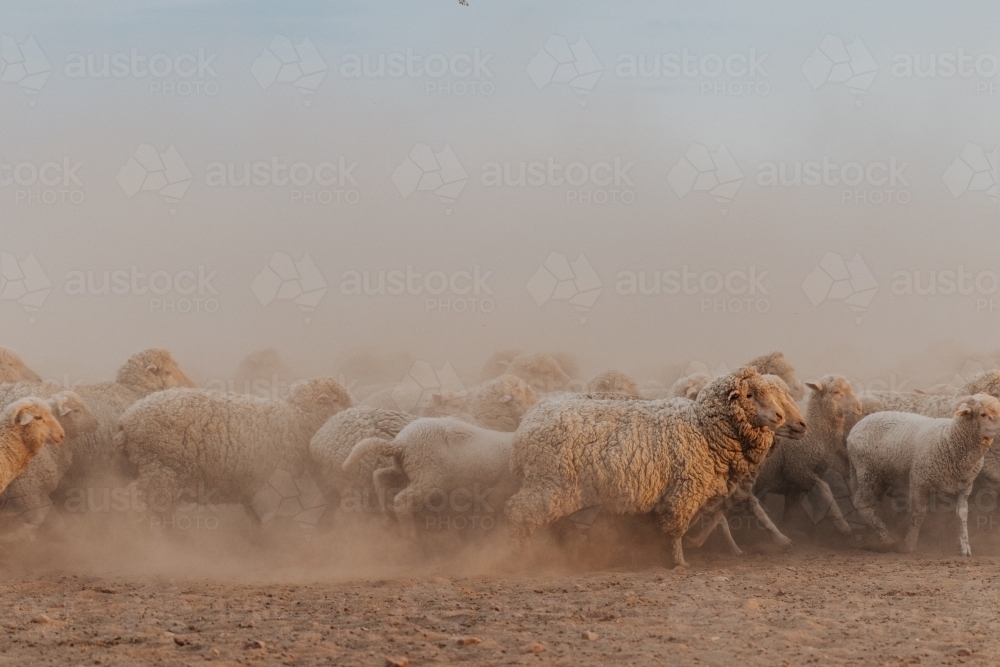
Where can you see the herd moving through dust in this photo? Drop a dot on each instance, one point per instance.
(684, 455)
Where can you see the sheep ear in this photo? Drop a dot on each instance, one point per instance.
(24, 417)
(734, 394)
(323, 397)
(964, 410)
(505, 398)
(64, 408)
(690, 393)
(815, 386)
(919, 391)
(436, 398)
(151, 368)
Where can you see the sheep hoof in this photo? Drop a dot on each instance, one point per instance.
(783, 541)
(681, 566)
(736, 551)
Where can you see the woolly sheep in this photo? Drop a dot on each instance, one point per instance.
(500, 404)
(28, 495)
(773, 363)
(231, 443)
(615, 382)
(333, 442)
(260, 373)
(795, 468)
(443, 456)
(689, 386)
(794, 428)
(25, 425)
(636, 456)
(898, 450)
(541, 371)
(144, 373)
(438, 403)
(13, 369)
(498, 363)
(930, 405)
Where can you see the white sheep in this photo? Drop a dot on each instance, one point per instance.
(613, 381)
(94, 454)
(465, 464)
(25, 426)
(773, 363)
(333, 442)
(930, 404)
(635, 456)
(794, 428)
(183, 439)
(13, 369)
(499, 404)
(28, 495)
(793, 469)
(898, 450)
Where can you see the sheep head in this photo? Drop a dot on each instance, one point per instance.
(322, 398)
(837, 397)
(72, 413)
(152, 370)
(794, 427)
(32, 419)
(13, 369)
(984, 411)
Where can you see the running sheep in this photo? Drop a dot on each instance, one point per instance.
(186, 439)
(924, 455)
(466, 464)
(333, 442)
(25, 426)
(636, 456)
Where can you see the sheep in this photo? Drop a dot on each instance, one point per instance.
(635, 456)
(94, 454)
(654, 389)
(615, 382)
(25, 426)
(28, 495)
(440, 456)
(925, 455)
(498, 363)
(773, 363)
(231, 443)
(261, 372)
(439, 403)
(930, 405)
(795, 468)
(794, 428)
(13, 369)
(500, 403)
(689, 386)
(332, 444)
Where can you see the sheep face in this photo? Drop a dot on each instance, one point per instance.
(12, 369)
(153, 370)
(836, 392)
(72, 414)
(760, 402)
(794, 427)
(615, 382)
(985, 411)
(32, 419)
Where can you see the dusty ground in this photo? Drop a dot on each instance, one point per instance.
(230, 603)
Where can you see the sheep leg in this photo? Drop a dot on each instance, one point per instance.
(865, 502)
(531, 508)
(403, 505)
(761, 514)
(838, 517)
(677, 553)
(962, 509)
(919, 498)
(708, 526)
(733, 547)
(383, 479)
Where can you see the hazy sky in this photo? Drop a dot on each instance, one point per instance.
(819, 178)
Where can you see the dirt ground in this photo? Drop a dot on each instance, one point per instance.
(332, 601)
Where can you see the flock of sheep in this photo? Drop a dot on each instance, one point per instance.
(686, 455)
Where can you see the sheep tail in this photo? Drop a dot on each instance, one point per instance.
(376, 446)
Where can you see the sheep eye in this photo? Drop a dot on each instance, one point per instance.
(749, 395)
